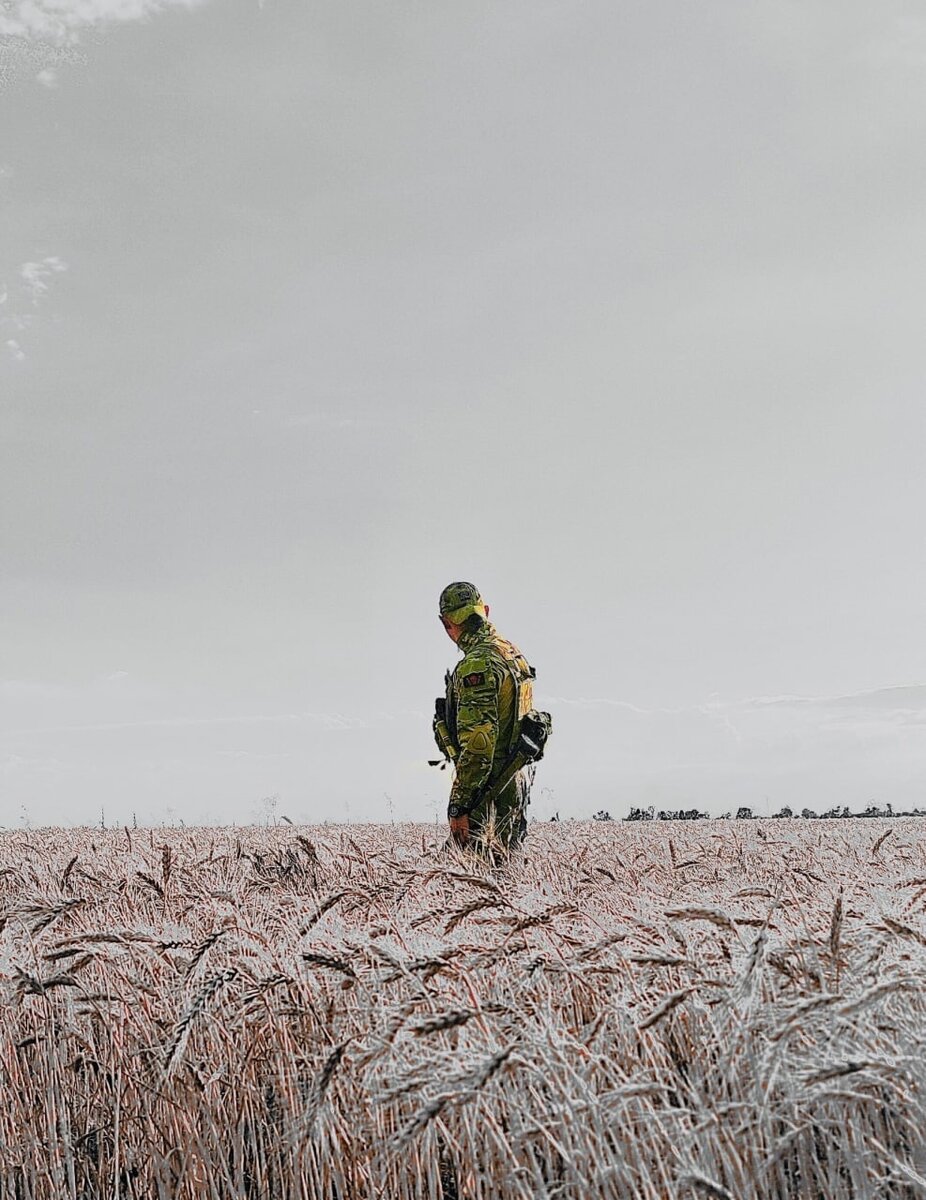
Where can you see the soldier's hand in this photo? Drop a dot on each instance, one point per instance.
(459, 829)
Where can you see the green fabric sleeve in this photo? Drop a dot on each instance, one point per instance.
(476, 690)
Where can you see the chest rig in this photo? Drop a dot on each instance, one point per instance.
(518, 699)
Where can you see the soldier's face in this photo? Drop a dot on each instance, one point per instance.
(453, 631)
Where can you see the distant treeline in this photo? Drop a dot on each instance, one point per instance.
(746, 814)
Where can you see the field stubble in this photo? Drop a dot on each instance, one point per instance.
(707, 1010)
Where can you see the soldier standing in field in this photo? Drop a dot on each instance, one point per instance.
(486, 725)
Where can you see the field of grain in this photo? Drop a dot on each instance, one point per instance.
(713, 1009)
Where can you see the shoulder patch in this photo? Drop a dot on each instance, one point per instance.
(474, 679)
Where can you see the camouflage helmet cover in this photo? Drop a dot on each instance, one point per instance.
(459, 601)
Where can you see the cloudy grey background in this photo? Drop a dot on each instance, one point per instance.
(616, 309)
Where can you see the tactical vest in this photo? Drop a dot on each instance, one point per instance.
(514, 700)
(522, 675)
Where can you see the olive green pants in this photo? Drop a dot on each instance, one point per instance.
(502, 823)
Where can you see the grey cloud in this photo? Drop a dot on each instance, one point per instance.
(798, 750)
(901, 698)
(585, 702)
(908, 693)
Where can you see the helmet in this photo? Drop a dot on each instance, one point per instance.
(459, 601)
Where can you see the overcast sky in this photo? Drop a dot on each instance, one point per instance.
(615, 309)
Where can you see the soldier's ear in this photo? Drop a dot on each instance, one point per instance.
(488, 610)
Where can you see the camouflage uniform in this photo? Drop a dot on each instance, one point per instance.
(487, 694)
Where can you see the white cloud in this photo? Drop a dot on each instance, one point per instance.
(61, 22)
(33, 285)
(47, 78)
(35, 275)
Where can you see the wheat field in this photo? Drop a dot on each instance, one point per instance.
(711, 1009)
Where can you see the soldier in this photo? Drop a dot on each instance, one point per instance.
(480, 725)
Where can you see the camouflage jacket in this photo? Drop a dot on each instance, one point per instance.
(487, 694)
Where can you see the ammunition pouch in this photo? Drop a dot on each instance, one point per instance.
(533, 735)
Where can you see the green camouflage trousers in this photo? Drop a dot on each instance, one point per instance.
(502, 823)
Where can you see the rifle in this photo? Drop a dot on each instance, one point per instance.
(442, 735)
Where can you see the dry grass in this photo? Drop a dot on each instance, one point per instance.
(726, 1010)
